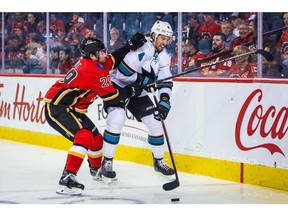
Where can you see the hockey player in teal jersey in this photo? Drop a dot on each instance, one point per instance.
(145, 65)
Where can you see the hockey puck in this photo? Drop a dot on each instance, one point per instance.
(175, 199)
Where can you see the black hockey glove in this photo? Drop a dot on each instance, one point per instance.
(162, 109)
(134, 90)
(136, 41)
(144, 81)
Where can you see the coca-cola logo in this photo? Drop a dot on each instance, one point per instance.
(258, 122)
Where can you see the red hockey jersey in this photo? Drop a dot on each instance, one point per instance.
(217, 69)
(282, 44)
(242, 41)
(82, 85)
(193, 60)
(250, 71)
(206, 32)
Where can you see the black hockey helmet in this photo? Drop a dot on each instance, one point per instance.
(91, 45)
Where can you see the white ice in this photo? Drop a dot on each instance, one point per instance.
(30, 175)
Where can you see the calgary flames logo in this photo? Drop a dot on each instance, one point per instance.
(284, 48)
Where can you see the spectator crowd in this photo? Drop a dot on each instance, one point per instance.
(31, 43)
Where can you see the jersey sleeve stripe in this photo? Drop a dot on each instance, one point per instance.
(113, 61)
(125, 69)
(62, 95)
(165, 85)
(69, 96)
(111, 96)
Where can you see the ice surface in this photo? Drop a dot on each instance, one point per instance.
(30, 175)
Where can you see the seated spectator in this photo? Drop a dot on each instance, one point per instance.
(65, 63)
(193, 56)
(15, 52)
(55, 23)
(253, 27)
(115, 40)
(209, 27)
(236, 20)
(54, 60)
(81, 27)
(246, 37)
(32, 23)
(41, 54)
(218, 47)
(74, 47)
(78, 27)
(32, 64)
(62, 37)
(243, 66)
(41, 26)
(193, 26)
(174, 59)
(207, 30)
(19, 23)
(282, 44)
(227, 29)
(20, 33)
(72, 23)
(272, 69)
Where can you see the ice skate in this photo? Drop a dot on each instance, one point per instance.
(95, 173)
(68, 185)
(106, 172)
(160, 166)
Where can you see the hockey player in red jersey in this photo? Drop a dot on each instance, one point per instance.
(68, 100)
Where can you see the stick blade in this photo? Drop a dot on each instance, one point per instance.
(171, 185)
(267, 55)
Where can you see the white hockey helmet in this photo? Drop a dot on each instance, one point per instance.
(162, 28)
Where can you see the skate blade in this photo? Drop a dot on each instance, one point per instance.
(101, 178)
(64, 190)
(97, 178)
(108, 180)
(168, 177)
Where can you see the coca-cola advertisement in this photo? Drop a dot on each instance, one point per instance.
(243, 121)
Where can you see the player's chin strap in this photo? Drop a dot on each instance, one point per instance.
(154, 37)
(268, 56)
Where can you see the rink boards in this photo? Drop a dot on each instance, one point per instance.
(233, 129)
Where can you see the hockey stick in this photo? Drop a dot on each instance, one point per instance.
(173, 184)
(245, 44)
(268, 56)
(275, 30)
(199, 62)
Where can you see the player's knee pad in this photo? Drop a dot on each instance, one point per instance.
(97, 143)
(83, 137)
(154, 127)
(116, 119)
